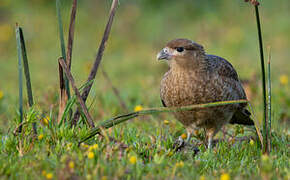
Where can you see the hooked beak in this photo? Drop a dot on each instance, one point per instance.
(164, 54)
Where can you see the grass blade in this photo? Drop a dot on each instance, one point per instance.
(269, 104)
(62, 45)
(27, 74)
(98, 58)
(20, 83)
(122, 118)
(263, 75)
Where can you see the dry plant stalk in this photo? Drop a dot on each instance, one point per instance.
(77, 93)
(98, 59)
(71, 34)
(63, 97)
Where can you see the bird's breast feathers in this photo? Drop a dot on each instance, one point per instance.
(186, 88)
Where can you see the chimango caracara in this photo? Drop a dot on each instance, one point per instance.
(195, 77)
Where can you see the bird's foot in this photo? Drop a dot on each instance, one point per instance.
(185, 146)
(179, 144)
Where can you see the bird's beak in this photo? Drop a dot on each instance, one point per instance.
(164, 54)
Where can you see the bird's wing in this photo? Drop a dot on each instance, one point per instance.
(163, 103)
(226, 70)
(223, 67)
(242, 116)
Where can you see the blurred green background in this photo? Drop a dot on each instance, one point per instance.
(140, 29)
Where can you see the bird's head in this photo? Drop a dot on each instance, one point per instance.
(182, 52)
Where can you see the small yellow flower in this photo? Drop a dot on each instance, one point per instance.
(71, 165)
(252, 142)
(179, 164)
(104, 178)
(183, 136)
(225, 176)
(84, 145)
(89, 177)
(45, 120)
(284, 79)
(166, 122)
(40, 137)
(1, 94)
(91, 155)
(265, 158)
(93, 147)
(49, 176)
(43, 172)
(68, 146)
(170, 154)
(133, 160)
(202, 177)
(138, 108)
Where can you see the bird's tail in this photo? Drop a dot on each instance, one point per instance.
(242, 117)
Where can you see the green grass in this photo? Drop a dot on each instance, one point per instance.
(141, 28)
(27, 158)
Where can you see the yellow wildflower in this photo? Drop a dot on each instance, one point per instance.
(1, 94)
(40, 137)
(68, 146)
(71, 165)
(138, 108)
(225, 176)
(49, 176)
(84, 145)
(252, 142)
(265, 158)
(179, 164)
(104, 178)
(166, 122)
(133, 160)
(93, 147)
(202, 177)
(170, 154)
(183, 136)
(45, 120)
(89, 177)
(91, 155)
(43, 172)
(284, 79)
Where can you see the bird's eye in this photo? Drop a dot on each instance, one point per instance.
(179, 49)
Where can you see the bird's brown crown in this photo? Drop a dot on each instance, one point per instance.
(185, 43)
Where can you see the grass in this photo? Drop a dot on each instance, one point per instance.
(141, 148)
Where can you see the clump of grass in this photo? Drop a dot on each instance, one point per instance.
(80, 100)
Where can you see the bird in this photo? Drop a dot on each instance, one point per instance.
(195, 77)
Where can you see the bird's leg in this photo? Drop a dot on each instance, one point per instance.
(210, 134)
(181, 142)
(209, 145)
(188, 137)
